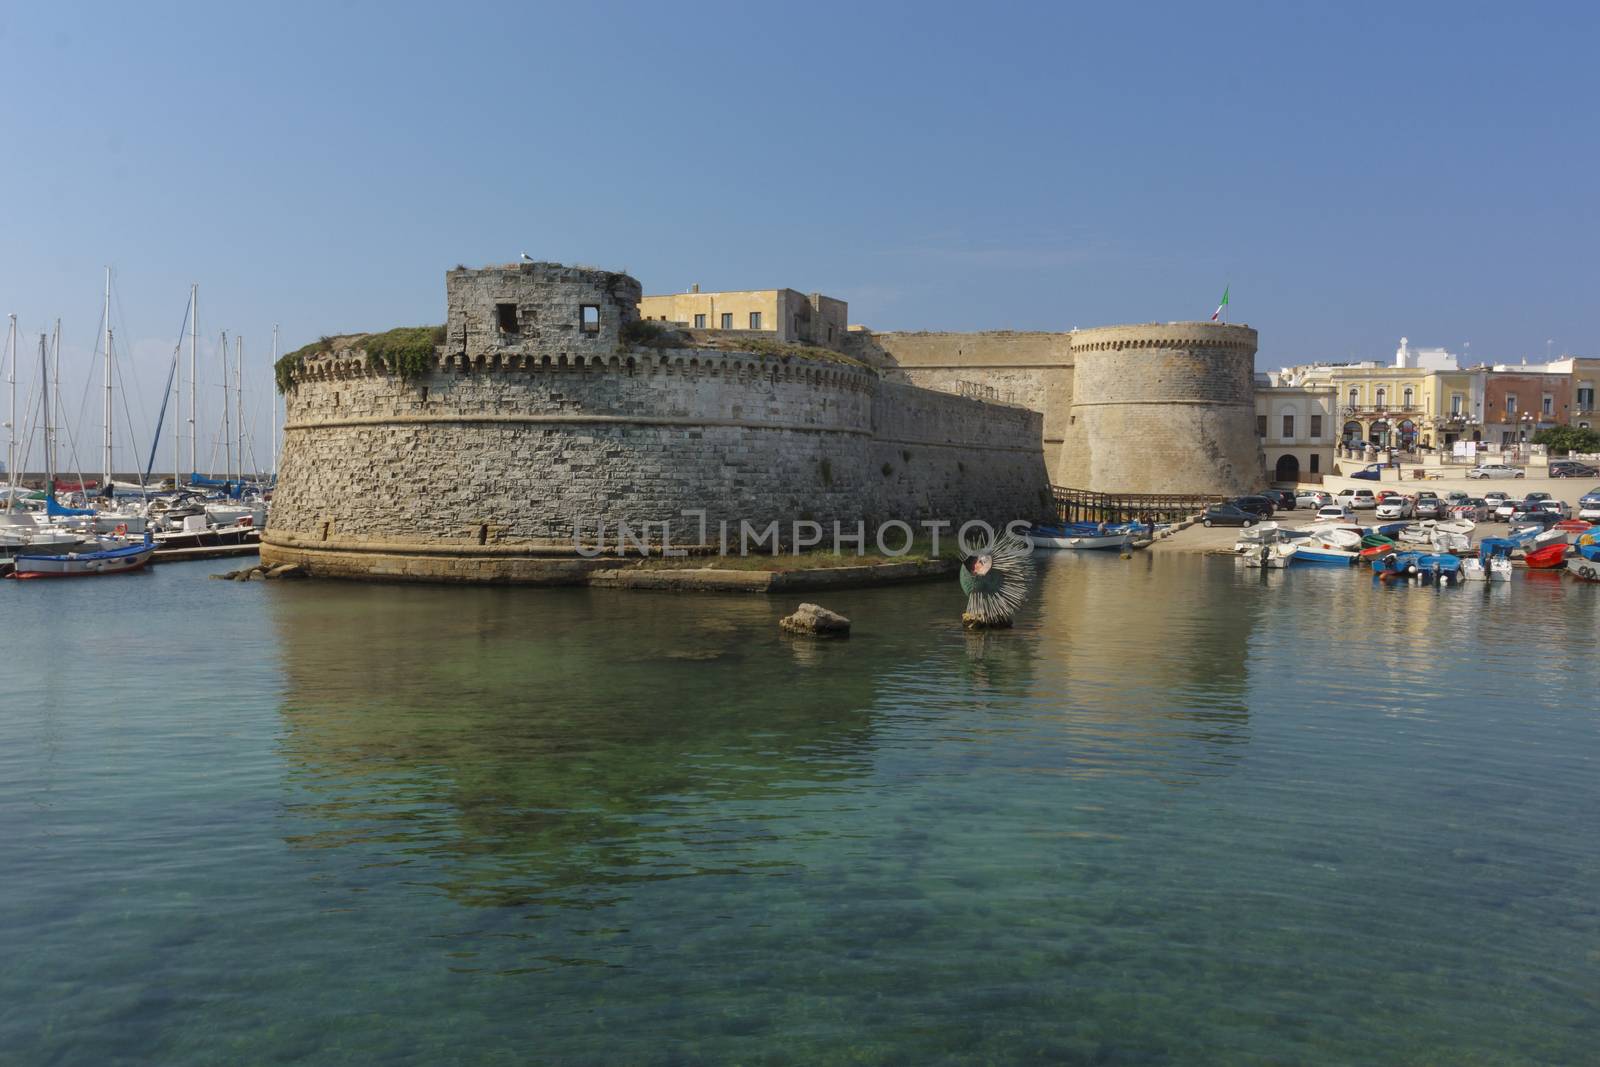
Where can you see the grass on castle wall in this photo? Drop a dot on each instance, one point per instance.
(406, 350)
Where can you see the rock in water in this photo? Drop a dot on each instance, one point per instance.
(818, 621)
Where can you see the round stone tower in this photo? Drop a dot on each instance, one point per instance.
(1163, 408)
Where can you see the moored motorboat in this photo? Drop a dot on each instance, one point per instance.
(1422, 565)
(1493, 569)
(1585, 563)
(1324, 552)
(1086, 535)
(85, 564)
(1546, 557)
(1269, 555)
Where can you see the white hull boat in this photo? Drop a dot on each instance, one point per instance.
(1498, 570)
(1099, 541)
(1274, 556)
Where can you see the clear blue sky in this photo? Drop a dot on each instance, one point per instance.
(1355, 172)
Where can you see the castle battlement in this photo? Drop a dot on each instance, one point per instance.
(545, 404)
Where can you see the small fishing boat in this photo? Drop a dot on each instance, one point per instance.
(1324, 552)
(1494, 569)
(1422, 565)
(1270, 555)
(1086, 535)
(1585, 564)
(1546, 557)
(85, 564)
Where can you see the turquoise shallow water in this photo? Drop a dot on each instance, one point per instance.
(1181, 814)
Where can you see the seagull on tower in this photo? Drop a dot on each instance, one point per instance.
(526, 258)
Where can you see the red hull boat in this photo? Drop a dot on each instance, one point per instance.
(1548, 557)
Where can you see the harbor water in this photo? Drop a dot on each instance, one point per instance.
(1182, 813)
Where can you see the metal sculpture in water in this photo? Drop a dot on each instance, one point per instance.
(996, 581)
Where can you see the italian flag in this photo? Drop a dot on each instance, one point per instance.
(1217, 314)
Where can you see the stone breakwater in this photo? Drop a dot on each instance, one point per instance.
(535, 418)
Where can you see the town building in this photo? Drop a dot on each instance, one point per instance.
(1523, 398)
(787, 314)
(1585, 376)
(1296, 420)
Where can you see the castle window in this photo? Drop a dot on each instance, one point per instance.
(505, 315)
(1409, 397)
(589, 318)
(1316, 430)
(755, 320)
(1261, 426)
(1288, 427)
(699, 322)
(1315, 466)
(727, 320)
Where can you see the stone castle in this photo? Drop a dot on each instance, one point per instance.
(546, 405)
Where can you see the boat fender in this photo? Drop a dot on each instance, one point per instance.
(121, 530)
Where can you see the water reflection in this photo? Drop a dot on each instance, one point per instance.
(554, 745)
(1147, 661)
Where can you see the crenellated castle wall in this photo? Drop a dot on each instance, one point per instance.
(1155, 408)
(511, 441)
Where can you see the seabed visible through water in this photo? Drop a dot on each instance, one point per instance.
(1181, 813)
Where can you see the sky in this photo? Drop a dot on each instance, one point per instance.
(1353, 173)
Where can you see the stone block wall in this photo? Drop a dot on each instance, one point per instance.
(516, 438)
(1029, 368)
(1163, 408)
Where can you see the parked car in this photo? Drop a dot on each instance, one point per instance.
(1312, 498)
(1474, 508)
(1384, 494)
(1524, 510)
(1559, 508)
(1457, 496)
(1504, 508)
(1537, 494)
(1591, 497)
(1590, 512)
(1397, 507)
(1429, 506)
(1356, 499)
(1496, 470)
(1259, 505)
(1535, 516)
(1494, 498)
(1571, 468)
(1372, 472)
(1335, 513)
(1228, 515)
(1282, 500)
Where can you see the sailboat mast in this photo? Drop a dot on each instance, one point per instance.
(106, 465)
(11, 437)
(55, 388)
(194, 327)
(227, 432)
(238, 396)
(49, 424)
